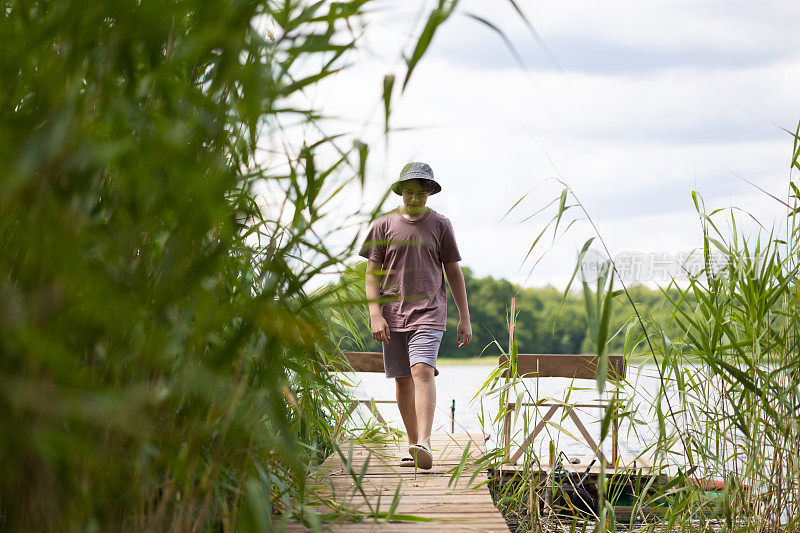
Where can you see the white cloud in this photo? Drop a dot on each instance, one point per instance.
(627, 34)
(631, 143)
(672, 105)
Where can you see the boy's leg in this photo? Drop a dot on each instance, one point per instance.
(405, 402)
(423, 350)
(424, 401)
(396, 365)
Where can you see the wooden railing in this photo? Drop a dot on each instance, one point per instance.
(361, 362)
(582, 366)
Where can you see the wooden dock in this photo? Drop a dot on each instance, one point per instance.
(583, 464)
(456, 506)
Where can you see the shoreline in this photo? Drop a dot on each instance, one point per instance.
(493, 360)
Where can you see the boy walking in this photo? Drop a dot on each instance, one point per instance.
(406, 251)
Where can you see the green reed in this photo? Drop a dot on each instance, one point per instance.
(732, 373)
(163, 363)
(729, 375)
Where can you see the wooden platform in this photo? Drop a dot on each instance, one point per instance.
(582, 464)
(456, 506)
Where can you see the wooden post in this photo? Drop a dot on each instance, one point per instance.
(507, 431)
(509, 406)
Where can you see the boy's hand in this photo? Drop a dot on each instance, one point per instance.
(380, 329)
(464, 333)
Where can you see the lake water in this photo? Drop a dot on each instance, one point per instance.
(461, 382)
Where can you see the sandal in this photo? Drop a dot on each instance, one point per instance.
(422, 456)
(407, 461)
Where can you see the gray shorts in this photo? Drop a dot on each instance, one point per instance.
(407, 348)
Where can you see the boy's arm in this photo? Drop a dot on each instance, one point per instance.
(378, 325)
(455, 278)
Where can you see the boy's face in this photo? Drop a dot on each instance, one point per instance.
(415, 194)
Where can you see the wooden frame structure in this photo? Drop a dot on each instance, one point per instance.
(362, 362)
(563, 366)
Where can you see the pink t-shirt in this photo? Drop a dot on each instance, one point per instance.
(411, 254)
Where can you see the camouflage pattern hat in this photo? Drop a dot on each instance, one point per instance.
(417, 171)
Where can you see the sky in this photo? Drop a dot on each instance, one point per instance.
(632, 105)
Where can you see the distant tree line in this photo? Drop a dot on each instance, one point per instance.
(547, 321)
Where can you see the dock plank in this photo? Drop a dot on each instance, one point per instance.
(448, 504)
(582, 464)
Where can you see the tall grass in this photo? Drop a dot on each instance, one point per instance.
(162, 361)
(726, 410)
(739, 406)
(733, 374)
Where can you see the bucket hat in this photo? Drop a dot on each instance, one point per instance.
(417, 171)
